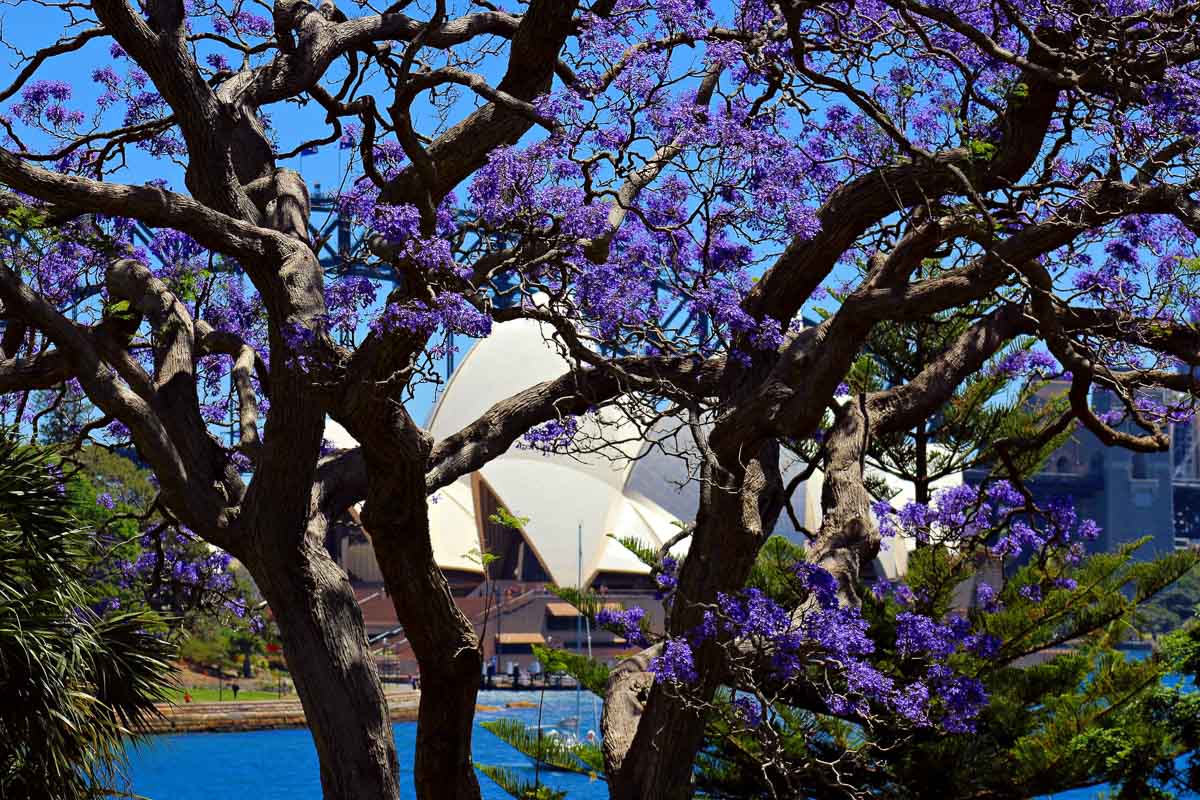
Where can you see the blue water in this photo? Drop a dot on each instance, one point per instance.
(274, 765)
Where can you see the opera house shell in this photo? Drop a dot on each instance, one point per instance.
(571, 504)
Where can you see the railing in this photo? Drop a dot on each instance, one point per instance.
(478, 620)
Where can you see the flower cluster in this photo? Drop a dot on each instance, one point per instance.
(970, 513)
(142, 104)
(177, 573)
(627, 622)
(178, 560)
(244, 22)
(748, 710)
(832, 646)
(1026, 362)
(44, 101)
(918, 635)
(451, 312)
(555, 436)
(675, 664)
(667, 577)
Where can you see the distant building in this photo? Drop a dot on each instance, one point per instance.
(1129, 494)
(574, 504)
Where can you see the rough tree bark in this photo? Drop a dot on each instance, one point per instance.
(737, 512)
(444, 641)
(243, 207)
(654, 745)
(327, 655)
(847, 538)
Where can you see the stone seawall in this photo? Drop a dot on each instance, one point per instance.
(256, 715)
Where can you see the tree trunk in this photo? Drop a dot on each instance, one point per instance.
(848, 538)
(670, 731)
(445, 644)
(736, 515)
(658, 765)
(325, 645)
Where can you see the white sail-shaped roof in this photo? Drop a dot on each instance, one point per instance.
(452, 524)
(570, 501)
(451, 514)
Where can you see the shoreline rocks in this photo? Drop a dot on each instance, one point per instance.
(255, 715)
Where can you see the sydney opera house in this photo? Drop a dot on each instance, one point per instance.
(574, 506)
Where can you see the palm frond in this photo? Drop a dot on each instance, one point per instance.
(76, 684)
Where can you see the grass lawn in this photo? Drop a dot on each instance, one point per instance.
(211, 695)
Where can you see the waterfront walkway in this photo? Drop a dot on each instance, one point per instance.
(254, 715)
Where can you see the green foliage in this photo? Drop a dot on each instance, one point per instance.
(1102, 608)
(1061, 718)
(585, 601)
(93, 471)
(206, 645)
(550, 752)
(981, 150)
(504, 517)
(553, 752)
(24, 219)
(734, 765)
(130, 529)
(518, 786)
(120, 309)
(1174, 607)
(591, 674)
(772, 571)
(1181, 650)
(986, 408)
(209, 640)
(646, 554)
(67, 412)
(481, 557)
(1067, 707)
(75, 683)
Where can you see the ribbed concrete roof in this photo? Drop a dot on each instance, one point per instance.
(573, 503)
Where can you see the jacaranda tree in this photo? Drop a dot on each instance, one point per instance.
(921, 691)
(1028, 167)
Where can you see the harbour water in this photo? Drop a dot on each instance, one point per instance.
(282, 764)
(279, 764)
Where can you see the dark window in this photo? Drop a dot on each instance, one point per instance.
(560, 623)
(515, 559)
(1141, 465)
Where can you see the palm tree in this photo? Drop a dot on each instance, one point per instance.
(75, 683)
